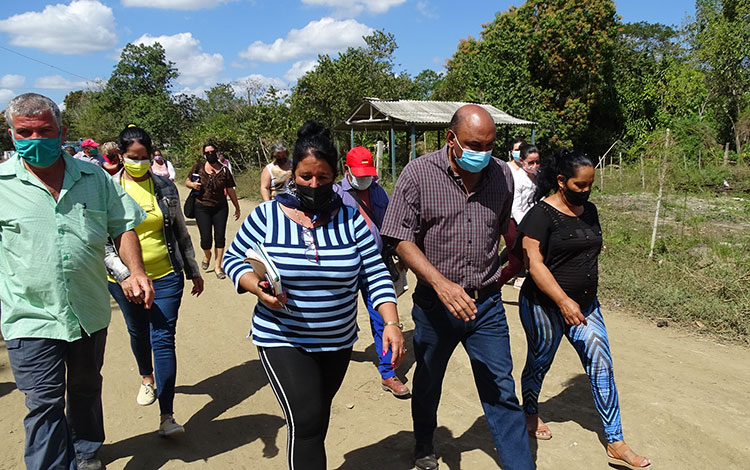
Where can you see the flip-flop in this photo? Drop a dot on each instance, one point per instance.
(204, 265)
(221, 275)
(615, 459)
(541, 437)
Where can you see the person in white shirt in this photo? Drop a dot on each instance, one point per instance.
(523, 199)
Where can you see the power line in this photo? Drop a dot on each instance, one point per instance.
(45, 63)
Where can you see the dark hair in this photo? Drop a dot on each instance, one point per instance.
(527, 149)
(131, 135)
(209, 144)
(563, 162)
(515, 141)
(314, 139)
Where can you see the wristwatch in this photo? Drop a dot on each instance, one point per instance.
(396, 323)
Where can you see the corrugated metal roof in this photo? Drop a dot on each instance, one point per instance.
(435, 112)
(376, 113)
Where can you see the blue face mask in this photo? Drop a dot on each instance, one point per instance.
(39, 152)
(517, 156)
(472, 160)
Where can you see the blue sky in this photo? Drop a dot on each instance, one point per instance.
(231, 41)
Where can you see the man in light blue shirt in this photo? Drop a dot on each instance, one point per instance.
(56, 217)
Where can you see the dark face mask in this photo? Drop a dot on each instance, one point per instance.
(313, 199)
(281, 161)
(211, 157)
(577, 198)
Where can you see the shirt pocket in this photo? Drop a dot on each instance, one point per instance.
(10, 237)
(93, 225)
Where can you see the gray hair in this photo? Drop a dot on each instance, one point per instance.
(278, 147)
(31, 104)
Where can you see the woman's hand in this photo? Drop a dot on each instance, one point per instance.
(266, 296)
(571, 312)
(236, 212)
(393, 338)
(197, 286)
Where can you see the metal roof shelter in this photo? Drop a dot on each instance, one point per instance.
(412, 115)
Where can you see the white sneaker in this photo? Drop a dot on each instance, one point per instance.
(146, 394)
(169, 428)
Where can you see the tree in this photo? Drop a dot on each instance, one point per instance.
(722, 40)
(549, 62)
(330, 91)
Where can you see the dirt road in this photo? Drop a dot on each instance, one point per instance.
(685, 400)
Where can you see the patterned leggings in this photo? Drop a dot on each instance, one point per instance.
(544, 327)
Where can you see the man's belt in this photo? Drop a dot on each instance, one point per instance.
(484, 292)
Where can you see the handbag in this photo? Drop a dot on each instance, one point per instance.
(189, 207)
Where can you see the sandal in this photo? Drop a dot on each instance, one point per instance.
(204, 265)
(221, 275)
(615, 458)
(541, 432)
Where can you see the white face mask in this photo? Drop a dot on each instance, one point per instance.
(361, 183)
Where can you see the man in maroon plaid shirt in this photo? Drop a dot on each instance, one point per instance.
(447, 214)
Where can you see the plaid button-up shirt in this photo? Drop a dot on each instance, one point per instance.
(458, 232)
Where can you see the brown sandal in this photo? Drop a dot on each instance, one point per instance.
(540, 428)
(616, 459)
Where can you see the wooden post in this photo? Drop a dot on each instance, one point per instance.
(424, 135)
(643, 175)
(662, 177)
(413, 142)
(393, 153)
(619, 171)
(351, 138)
(379, 155)
(726, 154)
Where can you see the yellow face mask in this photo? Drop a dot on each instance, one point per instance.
(136, 168)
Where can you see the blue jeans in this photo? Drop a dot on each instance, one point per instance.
(545, 328)
(54, 434)
(154, 330)
(486, 341)
(377, 325)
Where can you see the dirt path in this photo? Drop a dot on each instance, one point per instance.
(685, 400)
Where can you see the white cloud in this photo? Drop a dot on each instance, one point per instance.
(425, 9)
(325, 36)
(300, 68)
(355, 7)
(174, 4)
(240, 85)
(5, 97)
(58, 82)
(83, 27)
(12, 81)
(196, 67)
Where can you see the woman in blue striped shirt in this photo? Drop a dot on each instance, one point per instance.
(323, 250)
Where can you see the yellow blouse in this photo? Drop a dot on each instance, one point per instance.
(150, 231)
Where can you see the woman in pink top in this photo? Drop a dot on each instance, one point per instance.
(162, 167)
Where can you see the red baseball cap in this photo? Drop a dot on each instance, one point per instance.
(359, 160)
(89, 143)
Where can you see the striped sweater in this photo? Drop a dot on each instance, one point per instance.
(321, 295)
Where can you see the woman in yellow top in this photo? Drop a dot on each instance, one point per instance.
(167, 252)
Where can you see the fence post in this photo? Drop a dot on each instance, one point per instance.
(662, 177)
(726, 154)
(643, 175)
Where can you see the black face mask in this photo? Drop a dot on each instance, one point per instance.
(211, 157)
(313, 199)
(577, 198)
(281, 161)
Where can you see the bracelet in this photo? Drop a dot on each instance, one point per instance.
(395, 323)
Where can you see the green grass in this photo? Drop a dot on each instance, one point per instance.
(700, 274)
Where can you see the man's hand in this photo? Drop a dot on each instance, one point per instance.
(138, 289)
(237, 213)
(455, 298)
